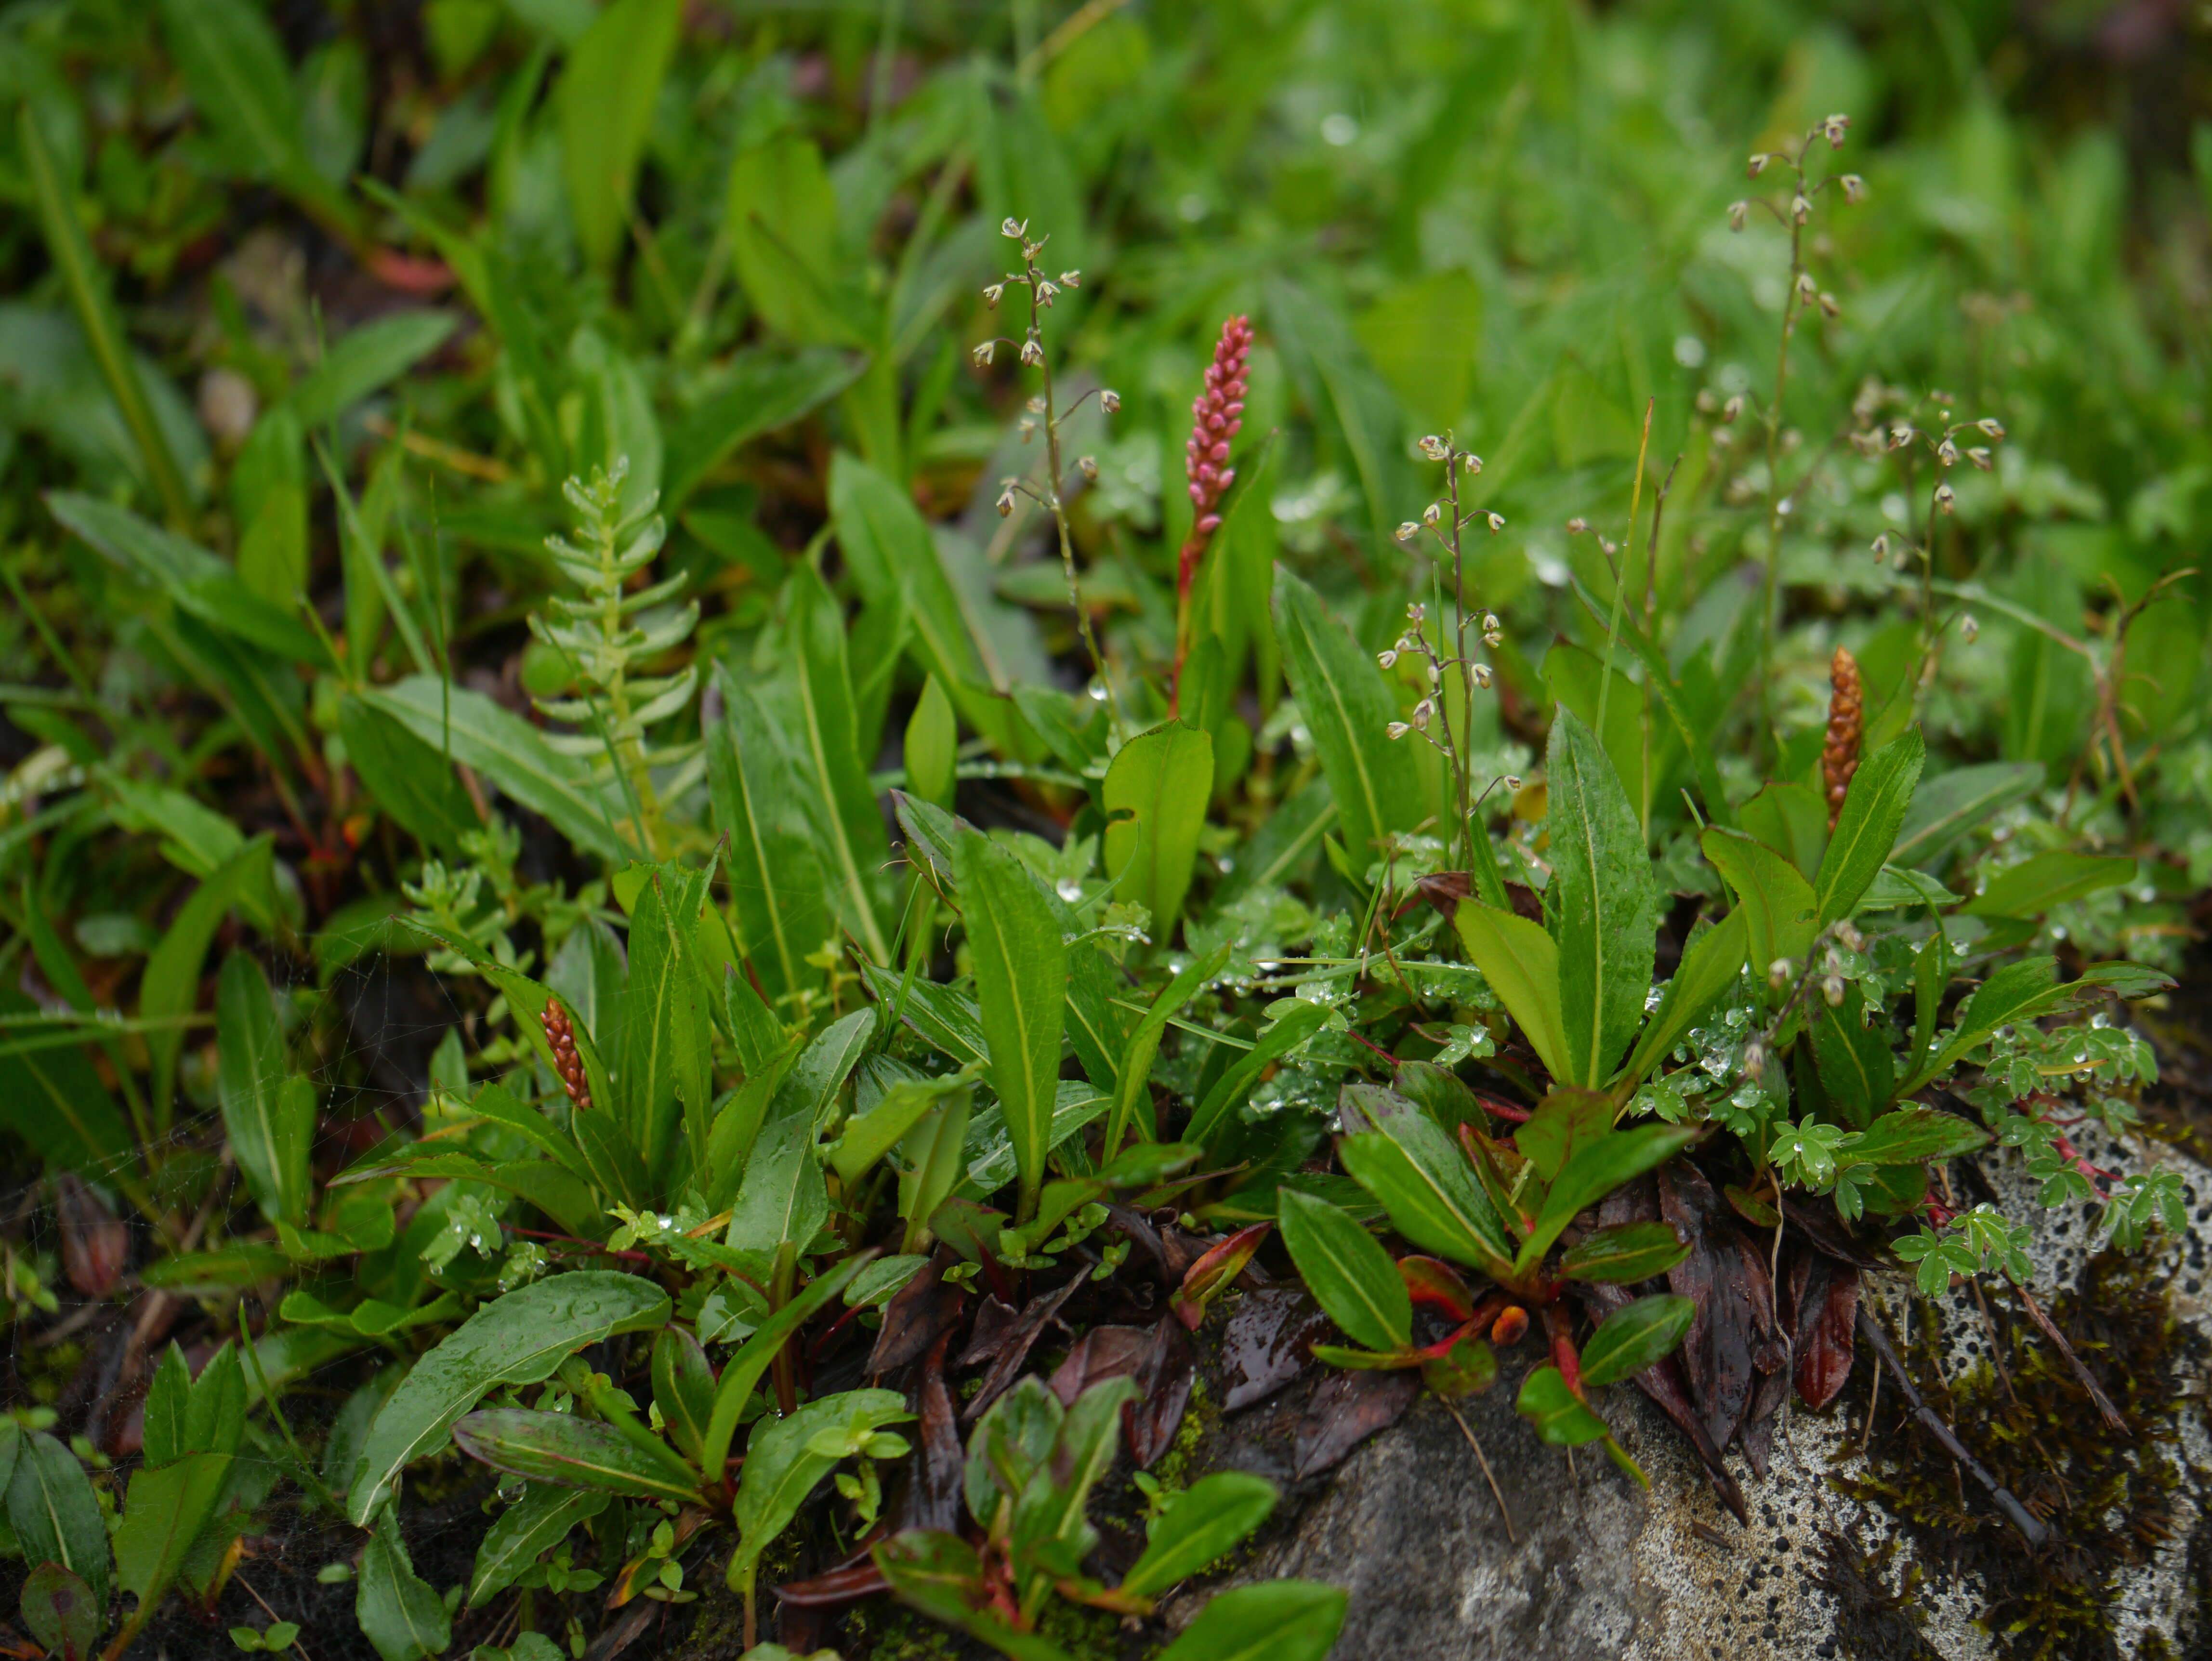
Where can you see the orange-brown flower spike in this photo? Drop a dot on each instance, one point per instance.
(1216, 414)
(561, 1034)
(1839, 758)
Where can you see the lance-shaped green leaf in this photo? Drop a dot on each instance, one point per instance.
(365, 360)
(1952, 804)
(52, 1098)
(1136, 1068)
(519, 1339)
(1426, 1185)
(1594, 1172)
(540, 1520)
(1048, 1519)
(1635, 1336)
(399, 1612)
(1211, 1518)
(170, 988)
(1624, 1253)
(162, 1518)
(1708, 968)
(1155, 796)
(784, 1200)
(1021, 986)
(759, 391)
(875, 1132)
(825, 749)
(55, 1516)
(667, 1028)
(577, 1453)
(270, 1118)
(775, 876)
(1866, 830)
(783, 1467)
(405, 777)
(1855, 1067)
(1348, 1272)
(745, 1367)
(604, 101)
(1605, 903)
(1522, 963)
(1273, 1620)
(2018, 992)
(940, 1574)
(2043, 881)
(1779, 905)
(1911, 1135)
(683, 1387)
(1376, 784)
(1552, 1410)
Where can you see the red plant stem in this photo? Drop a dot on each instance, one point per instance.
(1563, 1349)
(582, 1245)
(1216, 414)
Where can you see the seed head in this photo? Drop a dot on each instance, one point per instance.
(1497, 522)
(1006, 503)
(560, 1037)
(1216, 415)
(1397, 729)
(1994, 427)
(1409, 530)
(992, 294)
(1512, 781)
(1088, 466)
(1739, 215)
(1839, 752)
(1777, 973)
(985, 351)
(1576, 525)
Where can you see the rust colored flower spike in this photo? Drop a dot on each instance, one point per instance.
(1216, 414)
(561, 1033)
(1839, 759)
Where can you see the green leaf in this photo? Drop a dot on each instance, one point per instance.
(1417, 1175)
(1161, 780)
(1625, 1254)
(875, 1132)
(783, 235)
(781, 1470)
(1779, 905)
(270, 1116)
(759, 391)
(892, 554)
(171, 986)
(1866, 830)
(1855, 1067)
(196, 582)
(683, 1387)
(940, 1575)
(1708, 968)
(784, 1199)
(162, 1518)
(566, 1451)
(85, 281)
(53, 1099)
(519, 1339)
(540, 1521)
(509, 752)
(775, 876)
(399, 1612)
(1021, 985)
(1636, 1336)
(1522, 963)
(667, 1025)
(1911, 1135)
(604, 102)
(2043, 881)
(1348, 1272)
(826, 758)
(745, 1367)
(1049, 1511)
(1348, 707)
(1135, 1071)
(1789, 816)
(1552, 1411)
(1594, 1172)
(1274, 1621)
(1209, 1518)
(2018, 992)
(1213, 1114)
(55, 1516)
(405, 777)
(933, 743)
(1604, 901)
(942, 1014)
(1566, 1120)
(1952, 804)
(365, 360)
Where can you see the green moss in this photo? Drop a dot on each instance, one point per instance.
(2107, 1497)
(1172, 1468)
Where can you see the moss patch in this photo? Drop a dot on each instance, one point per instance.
(2107, 1498)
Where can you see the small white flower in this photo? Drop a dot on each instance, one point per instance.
(1431, 515)
(1110, 401)
(1472, 463)
(985, 350)
(1777, 973)
(1800, 209)
(1576, 525)
(1088, 466)
(1497, 522)
(1854, 187)
(1397, 729)
(1850, 936)
(1032, 351)
(991, 295)
(1832, 988)
(1433, 447)
(1422, 711)
(1732, 408)
(1830, 306)
(1388, 660)
(1833, 130)
(1015, 228)
(1738, 214)
(1806, 287)
(1409, 530)
(1490, 623)
(1979, 455)
(1417, 613)
(1754, 1058)
(1481, 673)
(1881, 548)
(1512, 781)
(1071, 279)
(1047, 292)
(1945, 498)
(1900, 436)
(1006, 503)
(1757, 166)
(1947, 453)
(1969, 627)
(1994, 427)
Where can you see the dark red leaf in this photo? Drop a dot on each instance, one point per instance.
(1164, 1375)
(1717, 1354)
(1014, 1349)
(1825, 1318)
(995, 1324)
(1348, 1407)
(96, 1247)
(1101, 1353)
(1268, 1342)
(920, 1312)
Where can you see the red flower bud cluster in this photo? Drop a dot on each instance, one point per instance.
(561, 1035)
(1216, 415)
